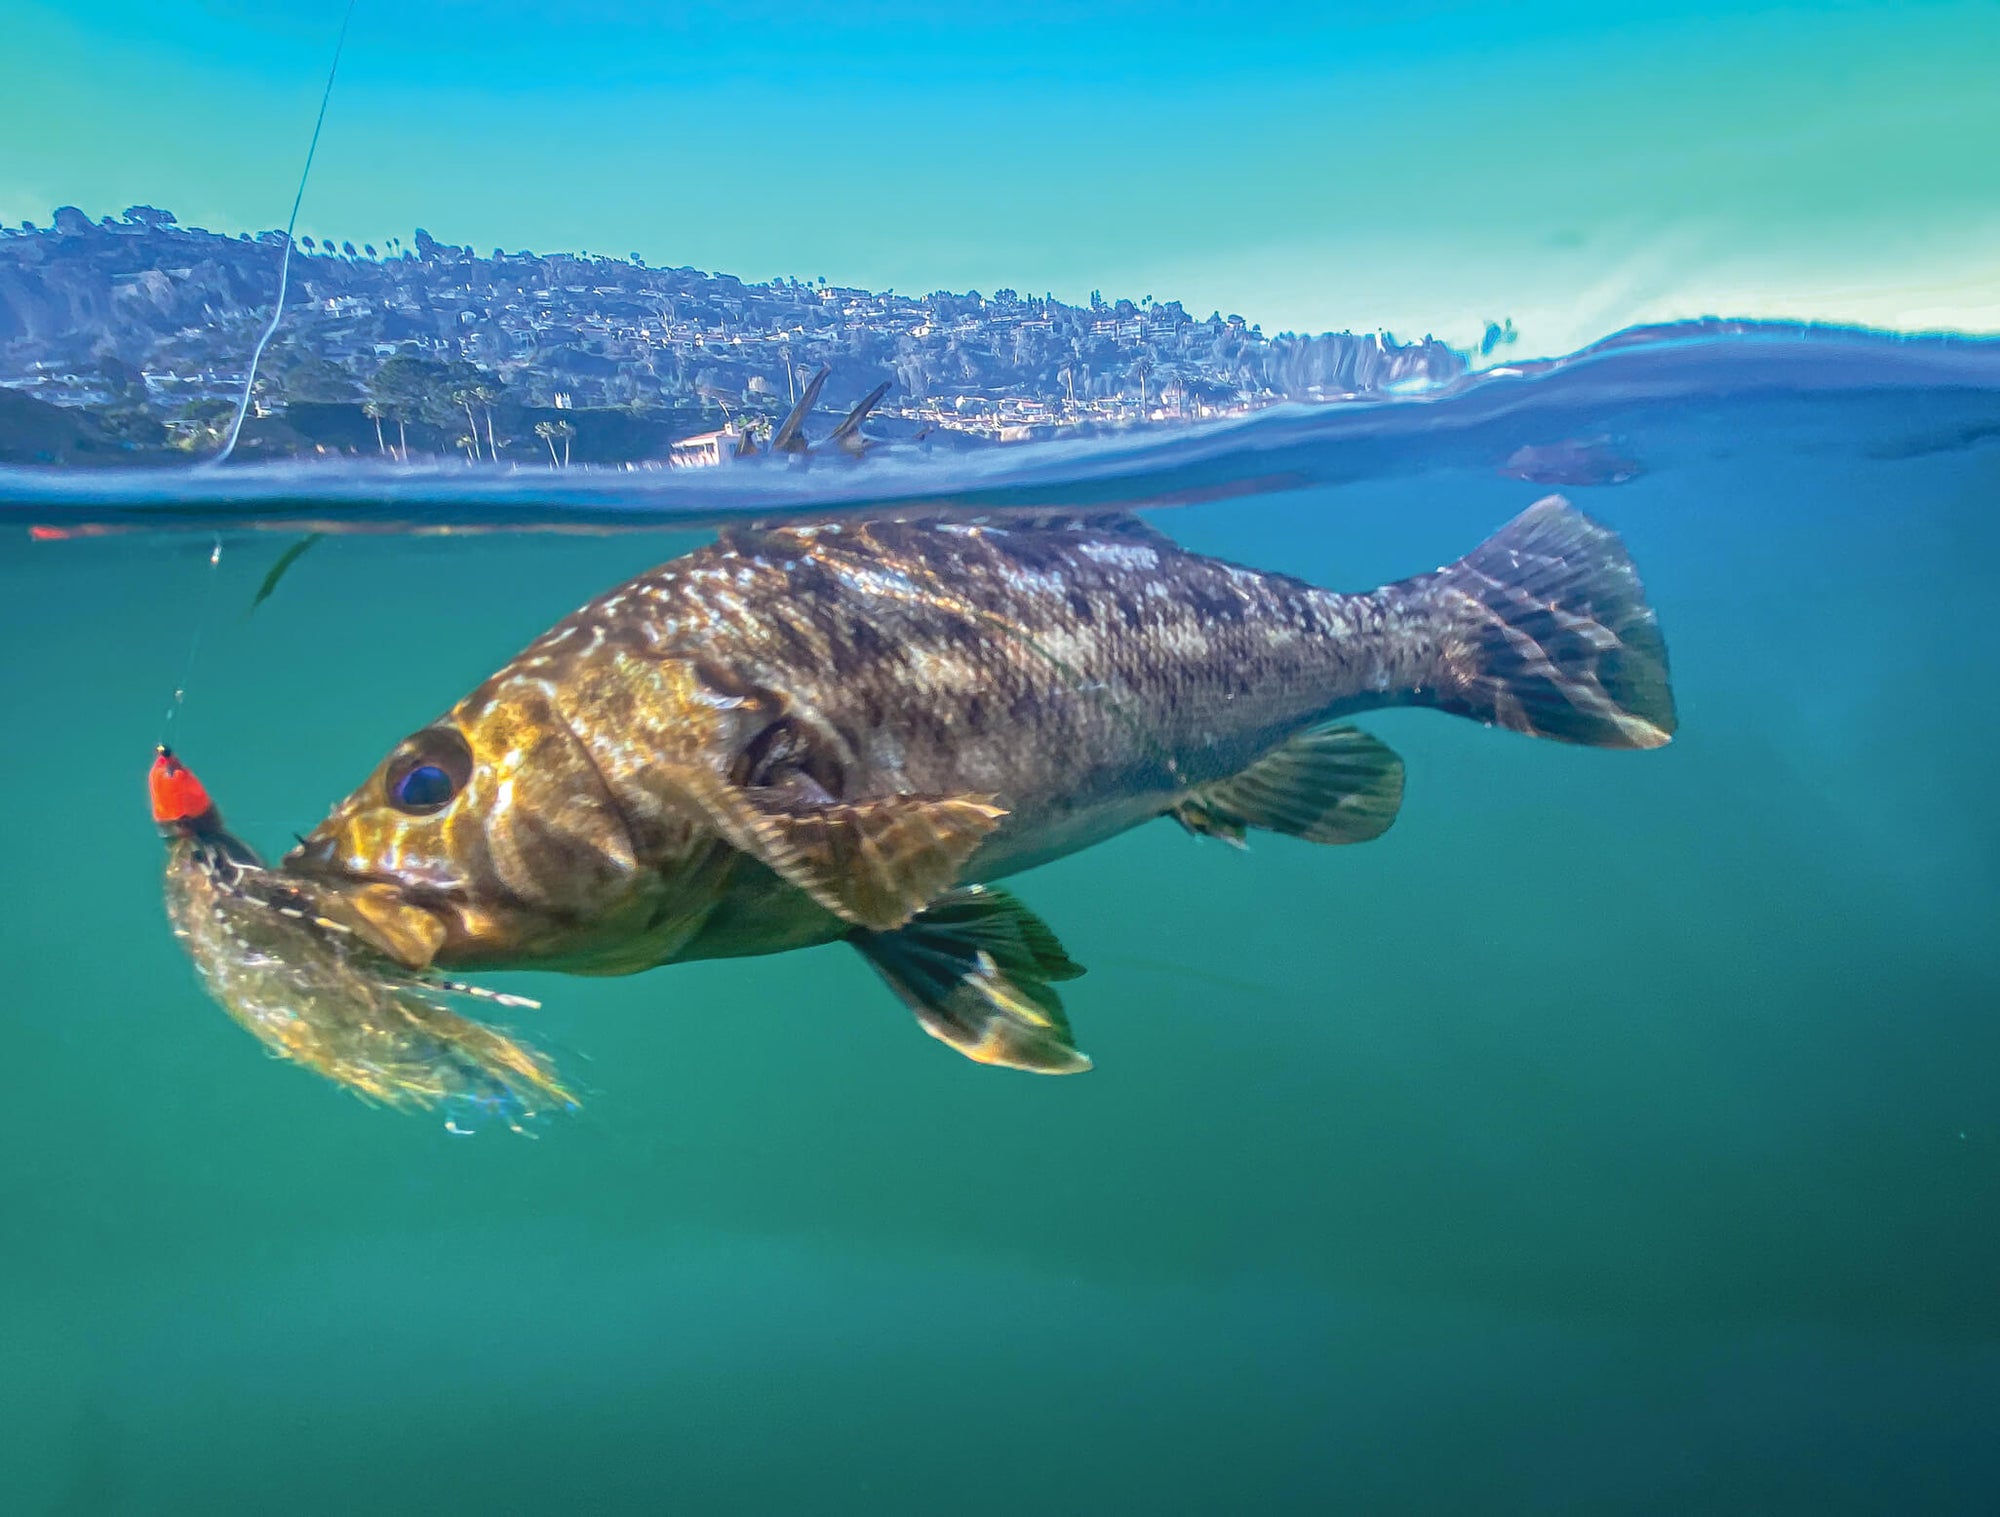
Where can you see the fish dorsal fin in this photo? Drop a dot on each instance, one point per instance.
(975, 966)
(873, 863)
(1329, 785)
(808, 537)
(790, 436)
(846, 434)
(1105, 523)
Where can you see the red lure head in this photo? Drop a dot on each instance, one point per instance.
(180, 801)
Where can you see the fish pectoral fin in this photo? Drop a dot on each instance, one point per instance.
(1329, 785)
(872, 863)
(876, 863)
(976, 966)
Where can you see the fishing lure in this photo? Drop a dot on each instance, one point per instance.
(284, 966)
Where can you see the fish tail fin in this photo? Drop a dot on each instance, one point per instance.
(1544, 629)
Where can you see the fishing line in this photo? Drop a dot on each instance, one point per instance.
(285, 261)
(179, 698)
(194, 642)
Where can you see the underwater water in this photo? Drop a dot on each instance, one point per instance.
(1619, 1132)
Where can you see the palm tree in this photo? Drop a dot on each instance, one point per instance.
(374, 410)
(462, 398)
(486, 395)
(549, 431)
(1140, 369)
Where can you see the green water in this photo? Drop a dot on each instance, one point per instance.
(1618, 1133)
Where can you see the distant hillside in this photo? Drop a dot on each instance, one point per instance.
(35, 432)
(145, 319)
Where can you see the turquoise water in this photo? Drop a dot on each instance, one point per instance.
(1620, 1132)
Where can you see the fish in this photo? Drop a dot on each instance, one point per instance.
(276, 954)
(851, 731)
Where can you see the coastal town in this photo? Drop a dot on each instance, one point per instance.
(126, 338)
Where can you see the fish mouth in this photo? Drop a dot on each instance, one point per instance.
(409, 921)
(318, 858)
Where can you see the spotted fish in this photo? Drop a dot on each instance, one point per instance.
(850, 731)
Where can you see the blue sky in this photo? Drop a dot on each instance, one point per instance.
(1418, 166)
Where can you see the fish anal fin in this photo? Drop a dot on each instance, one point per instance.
(873, 863)
(1328, 785)
(976, 967)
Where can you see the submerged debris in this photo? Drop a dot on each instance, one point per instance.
(311, 992)
(1574, 461)
(290, 556)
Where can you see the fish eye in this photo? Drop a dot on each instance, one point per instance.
(423, 788)
(431, 768)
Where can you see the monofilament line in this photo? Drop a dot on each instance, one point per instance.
(285, 261)
(194, 642)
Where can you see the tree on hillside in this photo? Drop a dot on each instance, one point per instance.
(127, 414)
(306, 377)
(488, 394)
(201, 425)
(374, 410)
(549, 431)
(463, 397)
(402, 386)
(1208, 394)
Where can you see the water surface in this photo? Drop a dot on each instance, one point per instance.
(1618, 1132)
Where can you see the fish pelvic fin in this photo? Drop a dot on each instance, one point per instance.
(976, 967)
(1329, 785)
(873, 863)
(1545, 630)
